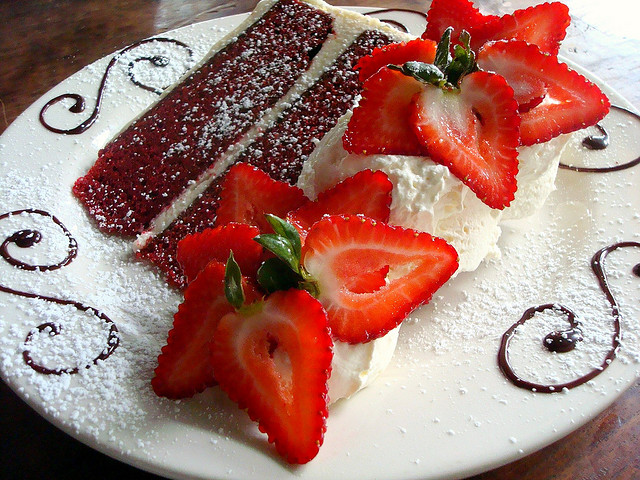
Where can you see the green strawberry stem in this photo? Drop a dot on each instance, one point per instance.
(285, 271)
(447, 70)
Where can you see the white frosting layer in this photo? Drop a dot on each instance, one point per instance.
(425, 197)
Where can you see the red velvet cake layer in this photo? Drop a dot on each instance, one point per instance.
(280, 151)
(148, 165)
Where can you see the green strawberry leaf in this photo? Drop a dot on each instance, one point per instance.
(281, 248)
(443, 51)
(424, 72)
(233, 283)
(286, 230)
(274, 274)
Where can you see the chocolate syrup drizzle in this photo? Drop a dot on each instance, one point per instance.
(600, 142)
(79, 101)
(400, 26)
(28, 238)
(565, 340)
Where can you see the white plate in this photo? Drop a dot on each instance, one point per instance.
(441, 410)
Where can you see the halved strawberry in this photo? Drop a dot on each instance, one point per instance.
(195, 251)
(474, 132)
(367, 193)
(422, 50)
(248, 193)
(564, 100)
(184, 367)
(342, 252)
(544, 25)
(461, 15)
(274, 360)
(380, 123)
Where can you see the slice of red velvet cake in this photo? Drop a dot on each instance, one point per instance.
(265, 95)
(280, 151)
(141, 172)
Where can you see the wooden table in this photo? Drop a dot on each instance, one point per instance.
(44, 41)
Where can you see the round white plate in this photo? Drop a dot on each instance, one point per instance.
(441, 410)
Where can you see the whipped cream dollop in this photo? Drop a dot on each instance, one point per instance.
(428, 198)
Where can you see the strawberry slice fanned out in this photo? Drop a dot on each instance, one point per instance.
(184, 368)
(248, 193)
(348, 256)
(557, 99)
(474, 132)
(421, 50)
(196, 250)
(380, 123)
(544, 25)
(274, 360)
(367, 193)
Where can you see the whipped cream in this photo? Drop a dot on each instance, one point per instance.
(355, 366)
(428, 198)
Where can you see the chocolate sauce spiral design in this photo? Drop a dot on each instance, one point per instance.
(566, 340)
(600, 142)
(78, 105)
(27, 238)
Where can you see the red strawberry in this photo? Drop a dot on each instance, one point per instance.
(248, 193)
(274, 360)
(367, 193)
(195, 251)
(563, 100)
(461, 15)
(184, 367)
(380, 123)
(474, 132)
(544, 25)
(396, 53)
(341, 251)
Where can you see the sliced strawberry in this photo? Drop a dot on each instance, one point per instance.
(380, 123)
(569, 101)
(474, 132)
(544, 25)
(345, 254)
(461, 15)
(274, 360)
(184, 367)
(367, 193)
(248, 193)
(422, 50)
(195, 251)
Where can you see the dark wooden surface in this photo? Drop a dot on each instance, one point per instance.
(44, 41)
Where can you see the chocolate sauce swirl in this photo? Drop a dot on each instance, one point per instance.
(565, 340)
(395, 23)
(79, 105)
(600, 142)
(27, 238)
